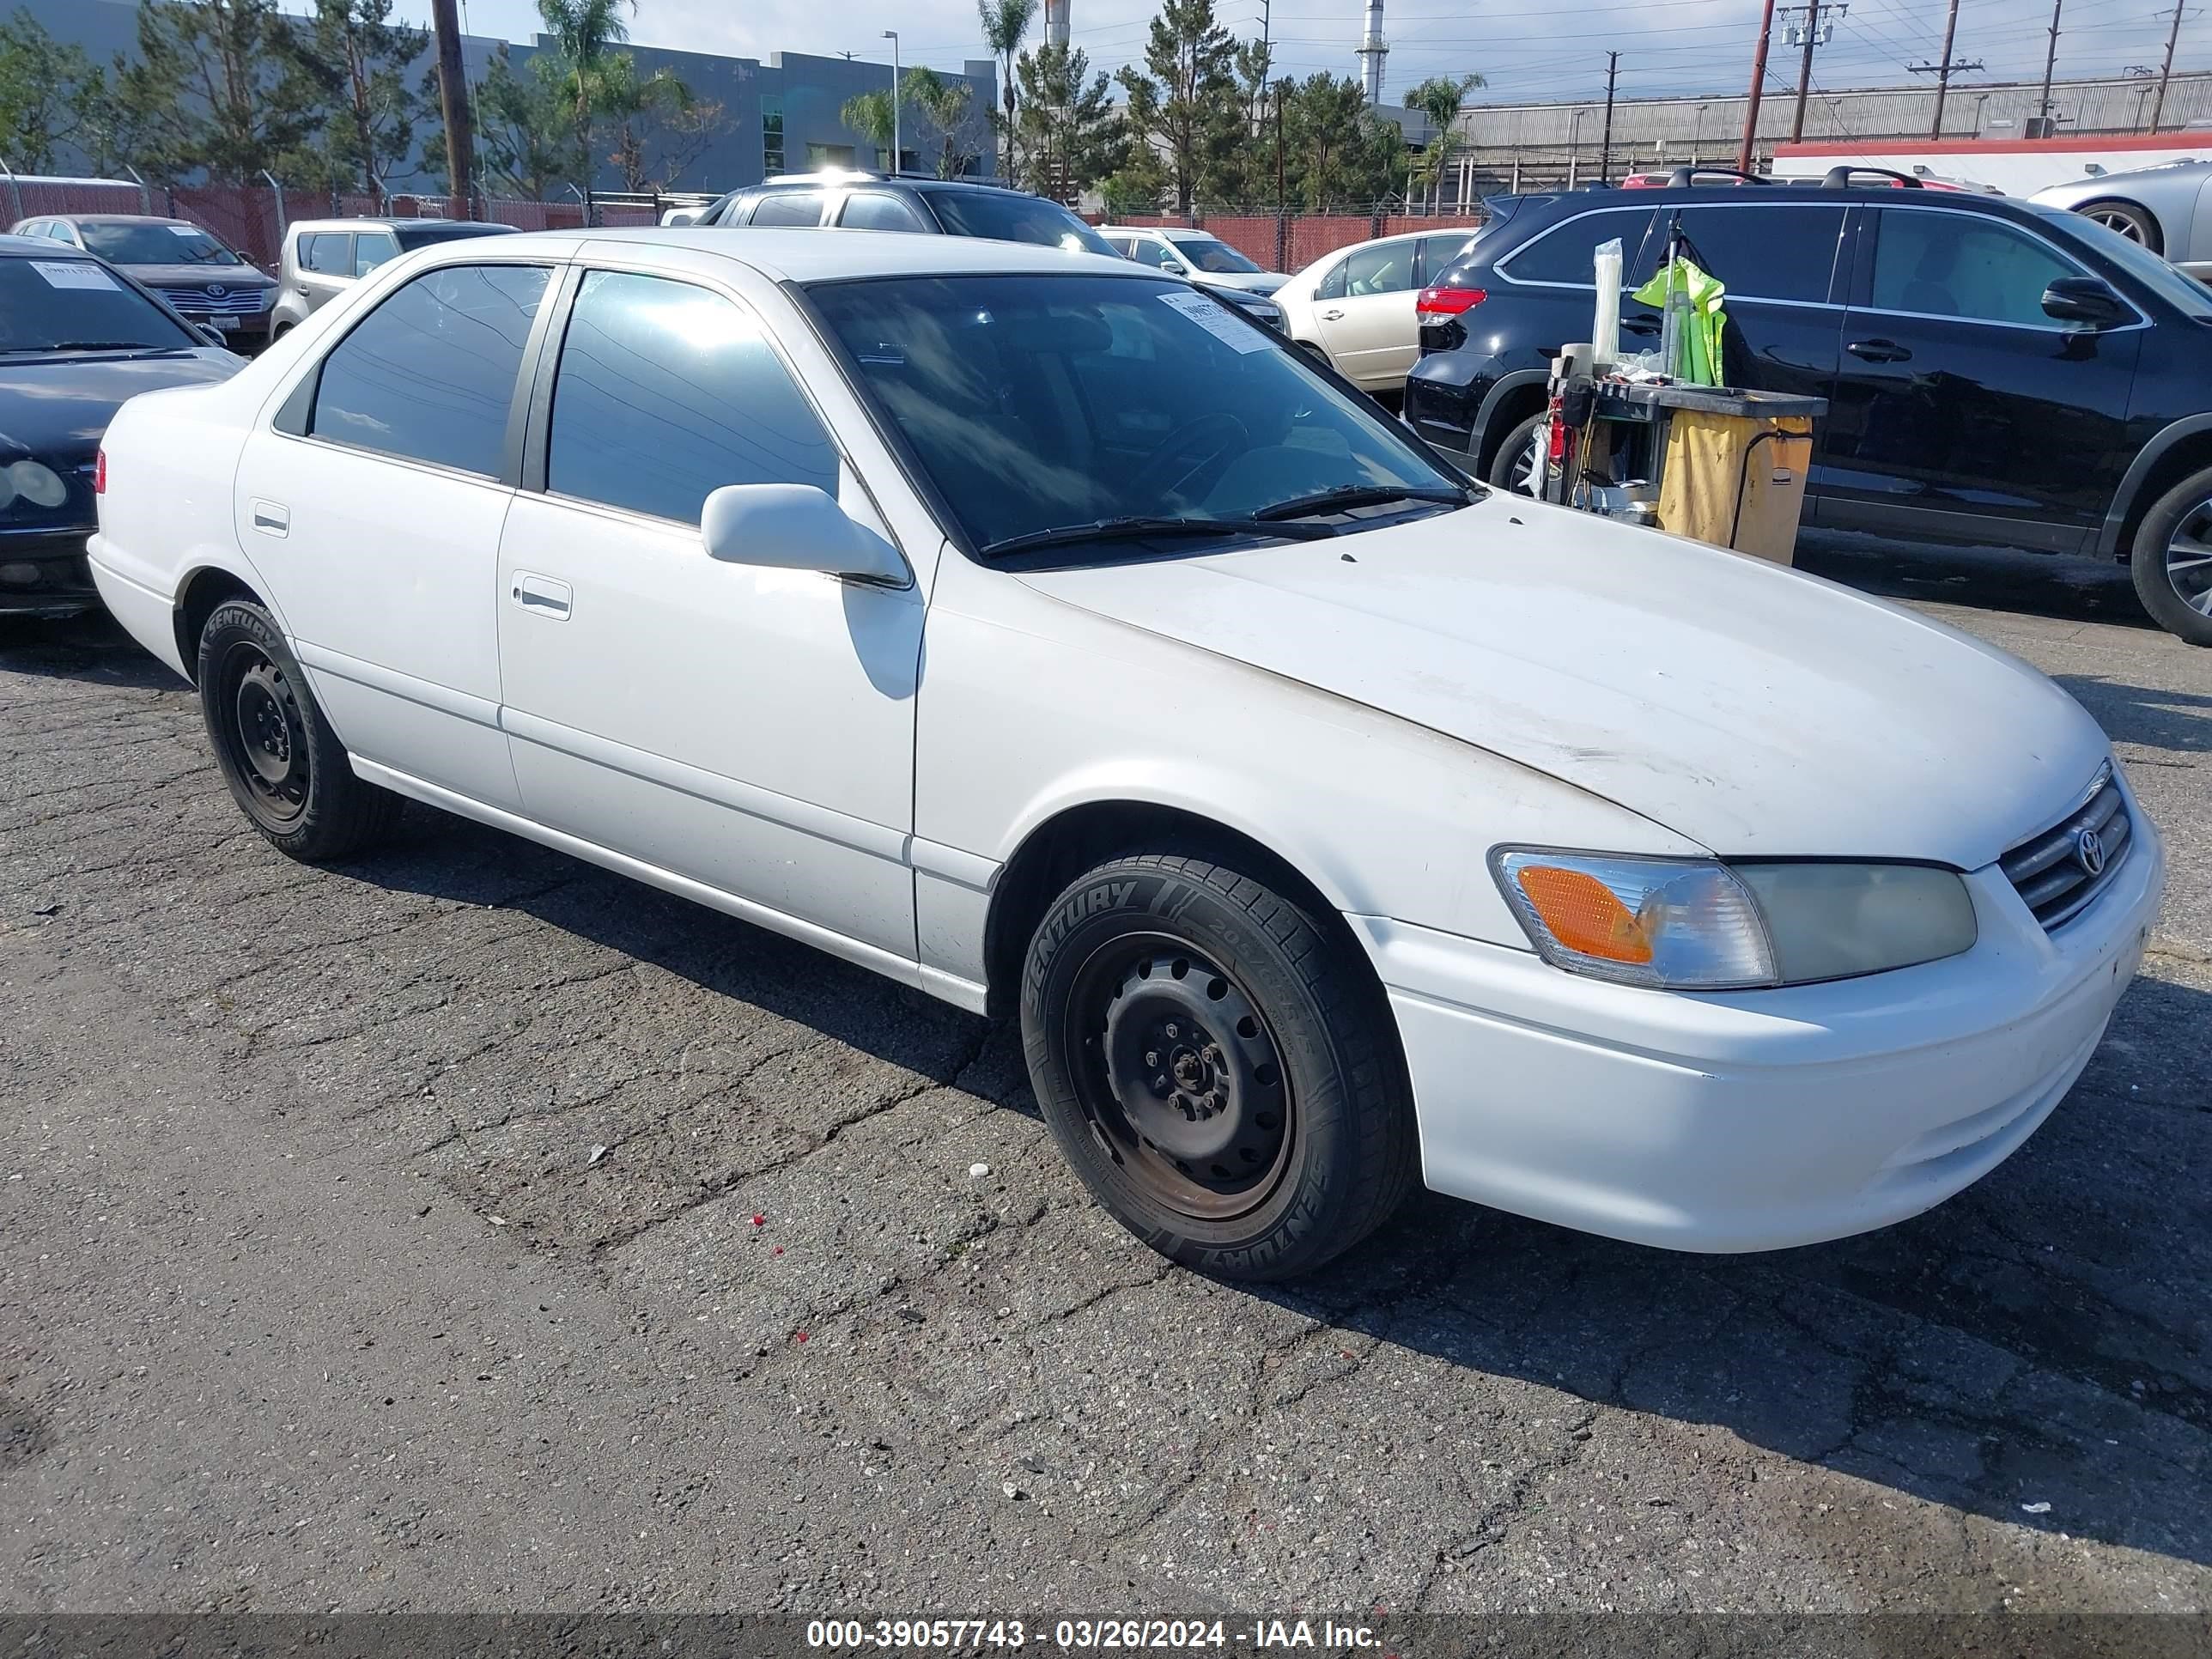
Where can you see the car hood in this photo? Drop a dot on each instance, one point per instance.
(1256, 281)
(1754, 709)
(235, 278)
(57, 405)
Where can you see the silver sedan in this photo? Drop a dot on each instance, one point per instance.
(2163, 207)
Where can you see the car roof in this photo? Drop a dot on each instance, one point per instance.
(117, 219)
(805, 255)
(378, 224)
(1544, 207)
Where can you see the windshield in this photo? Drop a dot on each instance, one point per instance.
(51, 305)
(1004, 216)
(1037, 403)
(419, 237)
(156, 244)
(1208, 253)
(2186, 293)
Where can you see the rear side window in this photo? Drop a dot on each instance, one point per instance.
(877, 210)
(1567, 253)
(789, 207)
(1439, 254)
(327, 253)
(431, 374)
(666, 392)
(1958, 264)
(1778, 252)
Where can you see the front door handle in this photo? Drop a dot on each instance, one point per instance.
(1639, 325)
(542, 595)
(1332, 316)
(1880, 351)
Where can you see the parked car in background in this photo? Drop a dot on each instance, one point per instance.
(2162, 208)
(324, 258)
(1996, 371)
(76, 338)
(1354, 307)
(204, 281)
(1329, 825)
(1201, 255)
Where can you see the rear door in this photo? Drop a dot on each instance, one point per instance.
(1962, 409)
(326, 264)
(1369, 330)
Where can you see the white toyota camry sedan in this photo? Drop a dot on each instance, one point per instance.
(1040, 633)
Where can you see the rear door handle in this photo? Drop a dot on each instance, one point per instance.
(1639, 324)
(1332, 316)
(1880, 351)
(272, 517)
(542, 594)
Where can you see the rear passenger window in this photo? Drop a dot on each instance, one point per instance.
(1440, 253)
(1567, 253)
(666, 392)
(789, 207)
(327, 254)
(431, 374)
(1770, 252)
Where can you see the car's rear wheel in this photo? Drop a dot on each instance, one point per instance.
(285, 767)
(1223, 1079)
(2171, 559)
(2130, 220)
(1518, 464)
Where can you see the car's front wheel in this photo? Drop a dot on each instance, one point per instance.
(1221, 1075)
(285, 767)
(2171, 559)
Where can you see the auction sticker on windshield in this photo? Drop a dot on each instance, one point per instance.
(67, 274)
(1213, 316)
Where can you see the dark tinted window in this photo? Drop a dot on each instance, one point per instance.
(327, 253)
(156, 244)
(1763, 252)
(1437, 254)
(430, 373)
(1157, 255)
(414, 236)
(666, 392)
(50, 302)
(1005, 215)
(789, 207)
(1565, 253)
(877, 210)
(1961, 264)
(1210, 253)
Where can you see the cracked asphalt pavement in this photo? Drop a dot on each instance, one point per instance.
(465, 1228)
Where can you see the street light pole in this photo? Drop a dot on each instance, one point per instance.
(891, 35)
(2166, 70)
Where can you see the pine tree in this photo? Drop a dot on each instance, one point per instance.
(1186, 107)
(363, 67)
(218, 86)
(1071, 133)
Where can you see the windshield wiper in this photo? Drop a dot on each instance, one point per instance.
(1138, 529)
(1350, 495)
(94, 345)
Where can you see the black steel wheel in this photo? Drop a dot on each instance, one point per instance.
(285, 767)
(2172, 560)
(1218, 1064)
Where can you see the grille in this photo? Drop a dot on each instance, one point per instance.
(2053, 870)
(232, 302)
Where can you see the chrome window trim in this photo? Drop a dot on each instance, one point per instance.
(1499, 268)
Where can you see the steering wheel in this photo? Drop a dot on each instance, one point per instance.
(1186, 452)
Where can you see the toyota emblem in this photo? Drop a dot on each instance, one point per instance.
(216, 290)
(2089, 851)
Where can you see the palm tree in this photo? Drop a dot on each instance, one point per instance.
(1440, 99)
(946, 102)
(1005, 23)
(585, 30)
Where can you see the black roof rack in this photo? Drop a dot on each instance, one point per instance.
(1683, 178)
(1840, 178)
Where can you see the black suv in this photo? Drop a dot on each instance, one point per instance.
(1995, 371)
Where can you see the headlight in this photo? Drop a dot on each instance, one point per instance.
(35, 481)
(1696, 924)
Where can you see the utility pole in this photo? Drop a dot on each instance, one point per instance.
(2050, 60)
(1743, 157)
(1812, 27)
(1604, 145)
(1943, 71)
(1282, 224)
(2165, 71)
(453, 105)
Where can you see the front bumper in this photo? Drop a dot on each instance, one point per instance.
(46, 574)
(1755, 1120)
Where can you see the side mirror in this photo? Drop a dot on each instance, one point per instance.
(1175, 268)
(796, 527)
(2085, 299)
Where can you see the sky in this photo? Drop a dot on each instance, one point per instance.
(1526, 51)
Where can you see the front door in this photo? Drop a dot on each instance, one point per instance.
(749, 729)
(372, 508)
(1958, 402)
(1370, 329)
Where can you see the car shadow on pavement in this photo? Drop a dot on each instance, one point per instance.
(2041, 1338)
(2154, 717)
(88, 646)
(2056, 586)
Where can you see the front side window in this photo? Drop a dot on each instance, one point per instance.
(431, 374)
(156, 244)
(1005, 215)
(1782, 250)
(1957, 265)
(1210, 254)
(1386, 268)
(666, 392)
(1157, 255)
(62, 301)
(1040, 403)
(1568, 252)
(878, 209)
(327, 253)
(372, 249)
(2183, 292)
(788, 206)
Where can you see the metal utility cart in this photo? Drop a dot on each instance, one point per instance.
(1713, 463)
